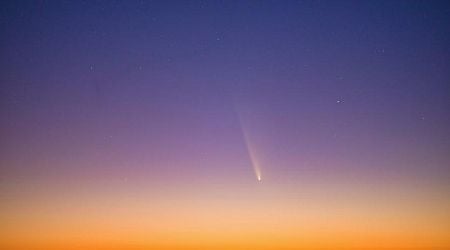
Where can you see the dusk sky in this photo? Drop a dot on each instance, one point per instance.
(224, 125)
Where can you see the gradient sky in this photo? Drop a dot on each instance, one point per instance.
(146, 124)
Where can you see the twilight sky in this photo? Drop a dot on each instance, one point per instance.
(146, 125)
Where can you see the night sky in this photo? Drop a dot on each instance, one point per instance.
(224, 125)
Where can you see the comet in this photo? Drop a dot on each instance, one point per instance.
(254, 160)
(251, 151)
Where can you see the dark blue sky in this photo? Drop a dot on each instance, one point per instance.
(355, 84)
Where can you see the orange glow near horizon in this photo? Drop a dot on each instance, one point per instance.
(265, 216)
